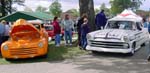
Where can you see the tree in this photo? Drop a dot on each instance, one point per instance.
(119, 5)
(27, 9)
(103, 6)
(74, 12)
(107, 11)
(55, 8)
(41, 9)
(97, 10)
(87, 7)
(6, 6)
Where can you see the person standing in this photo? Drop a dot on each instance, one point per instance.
(145, 23)
(148, 22)
(79, 23)
(84, 31)
(57, 31)
(68, 27)
(148, 58)
(7, 29)
(2, 30)
(100, 20)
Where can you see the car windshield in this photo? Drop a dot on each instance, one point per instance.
(48, 27)
(127, 25)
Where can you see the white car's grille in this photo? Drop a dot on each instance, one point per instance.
(103, 44)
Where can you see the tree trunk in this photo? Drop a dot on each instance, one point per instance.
(87, 6)
(3, 7)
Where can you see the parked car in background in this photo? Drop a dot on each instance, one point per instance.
(122, 34)
(50, 30)
(27, 40)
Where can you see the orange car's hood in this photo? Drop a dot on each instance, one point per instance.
(22, 30)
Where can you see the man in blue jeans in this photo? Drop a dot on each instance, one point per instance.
(68, 26)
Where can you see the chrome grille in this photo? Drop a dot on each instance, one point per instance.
(112, 45)
(23, 51)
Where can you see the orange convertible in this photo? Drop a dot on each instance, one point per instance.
(26, 41)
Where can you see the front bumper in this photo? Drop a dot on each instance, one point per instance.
(113, 50)
(23, 53)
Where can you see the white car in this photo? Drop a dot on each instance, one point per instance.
(120, 35)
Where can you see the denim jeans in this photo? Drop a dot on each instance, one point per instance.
(83, 42)
(68, 36)
(57, 39)
(1, 39)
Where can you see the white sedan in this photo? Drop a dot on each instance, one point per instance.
(119, 36)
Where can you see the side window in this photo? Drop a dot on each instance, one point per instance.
(139, 25)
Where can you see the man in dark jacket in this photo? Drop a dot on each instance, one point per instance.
(100, 20)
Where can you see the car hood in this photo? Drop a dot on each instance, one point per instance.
(111, 33)
(23, 30)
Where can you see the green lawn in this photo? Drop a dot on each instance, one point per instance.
(54, 54)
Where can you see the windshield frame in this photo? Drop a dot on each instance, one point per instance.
(133, 26)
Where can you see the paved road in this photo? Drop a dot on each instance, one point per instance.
(100, 63)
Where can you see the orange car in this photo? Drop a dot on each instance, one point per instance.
(26, 41)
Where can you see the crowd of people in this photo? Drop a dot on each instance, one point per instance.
(67, 25)
(82, 28)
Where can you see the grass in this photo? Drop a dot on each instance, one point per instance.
(54, 54)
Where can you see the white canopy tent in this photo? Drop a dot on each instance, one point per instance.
(127, 15)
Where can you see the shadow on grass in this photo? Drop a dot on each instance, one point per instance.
(108, 54)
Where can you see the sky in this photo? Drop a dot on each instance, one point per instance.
(69, 4)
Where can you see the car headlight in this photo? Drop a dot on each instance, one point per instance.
(89, 37)
(5, 47)
(40, 44)
(126, 39)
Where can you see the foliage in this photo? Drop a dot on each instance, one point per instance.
(6, 6)
(143, 13)
(119, 5)
(41, 9)
(97, 10)
(27, 9)
(103, 7)
(55, 8)
(74, 12)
